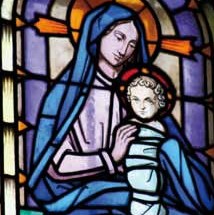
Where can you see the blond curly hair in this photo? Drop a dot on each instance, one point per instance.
(150, 83)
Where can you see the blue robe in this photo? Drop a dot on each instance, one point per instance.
(188, 181)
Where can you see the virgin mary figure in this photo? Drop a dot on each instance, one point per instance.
(77, 157)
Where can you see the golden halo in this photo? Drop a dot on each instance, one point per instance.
(172, 45)
(81, 7)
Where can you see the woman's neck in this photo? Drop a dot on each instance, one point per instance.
(109, 70)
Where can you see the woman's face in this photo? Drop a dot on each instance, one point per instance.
(119, 45)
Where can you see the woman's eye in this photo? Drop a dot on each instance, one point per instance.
(132, 45)
(119, 37)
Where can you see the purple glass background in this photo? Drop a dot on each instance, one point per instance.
(193, 82)
(193, 74)
(194, 113)
(192, 70)
(187, 26)
(35, 90)
(35, 62)
(174, 4)
(36, 43)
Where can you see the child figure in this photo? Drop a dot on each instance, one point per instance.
(147, 95)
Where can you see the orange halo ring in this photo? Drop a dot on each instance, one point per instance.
(81, 7)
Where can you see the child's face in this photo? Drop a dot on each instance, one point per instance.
(144, 102)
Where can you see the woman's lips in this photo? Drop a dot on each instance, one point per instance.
(116, 57)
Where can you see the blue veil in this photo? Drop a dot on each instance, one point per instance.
(65, 100)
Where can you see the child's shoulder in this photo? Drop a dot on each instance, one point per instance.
(157, 125)
(154, 124)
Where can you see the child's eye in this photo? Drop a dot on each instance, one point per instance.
(149, 100)
(135, 99)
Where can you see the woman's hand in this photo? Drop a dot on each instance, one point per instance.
(124, 135)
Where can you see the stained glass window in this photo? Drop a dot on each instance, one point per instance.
(69, 142)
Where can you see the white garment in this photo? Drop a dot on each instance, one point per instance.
(143, 173)
(84, 152)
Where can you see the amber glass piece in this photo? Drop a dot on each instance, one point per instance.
(75, 36)
(19, 22)
(151, 49)
(45, 25)
(207, 51)
(136, 5)
(22, 178)
(79, 10)
(210, 152)
(149, 25)
(193, 4)
(21, 72)
(21, 126)
(181, 46)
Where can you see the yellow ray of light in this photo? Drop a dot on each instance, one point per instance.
(180, 46)
(49, 26)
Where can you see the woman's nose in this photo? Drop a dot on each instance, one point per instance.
(122, 50)
(121, 54)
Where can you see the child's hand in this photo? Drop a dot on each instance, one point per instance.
(124, 135)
